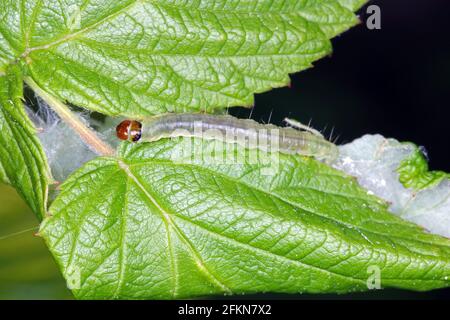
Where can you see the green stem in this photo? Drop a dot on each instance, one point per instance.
(86, 134)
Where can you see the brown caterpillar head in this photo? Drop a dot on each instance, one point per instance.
(130, 130)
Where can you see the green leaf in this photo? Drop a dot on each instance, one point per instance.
(22, 161)
(137, 57)
(414, 172)
(158, 222)
(352, 4)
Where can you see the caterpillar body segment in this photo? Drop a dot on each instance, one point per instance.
(245, 132)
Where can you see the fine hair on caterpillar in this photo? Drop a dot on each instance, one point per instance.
(247, 133)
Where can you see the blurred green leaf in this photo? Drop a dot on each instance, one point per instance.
(22, 161)
(135, 58)
(27, 269)
(414, 172)
(155, 224)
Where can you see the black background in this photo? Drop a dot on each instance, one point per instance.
(394, 81)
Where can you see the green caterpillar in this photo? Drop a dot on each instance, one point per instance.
(232, 130)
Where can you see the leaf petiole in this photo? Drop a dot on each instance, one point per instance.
(86, 134)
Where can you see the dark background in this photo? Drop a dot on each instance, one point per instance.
(394, 81)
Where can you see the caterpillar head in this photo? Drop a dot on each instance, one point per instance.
(130, 130)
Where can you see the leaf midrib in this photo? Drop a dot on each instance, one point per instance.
(261, 250)
(341, 223)
(167, 219)
(27, 33)
(248, 246)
